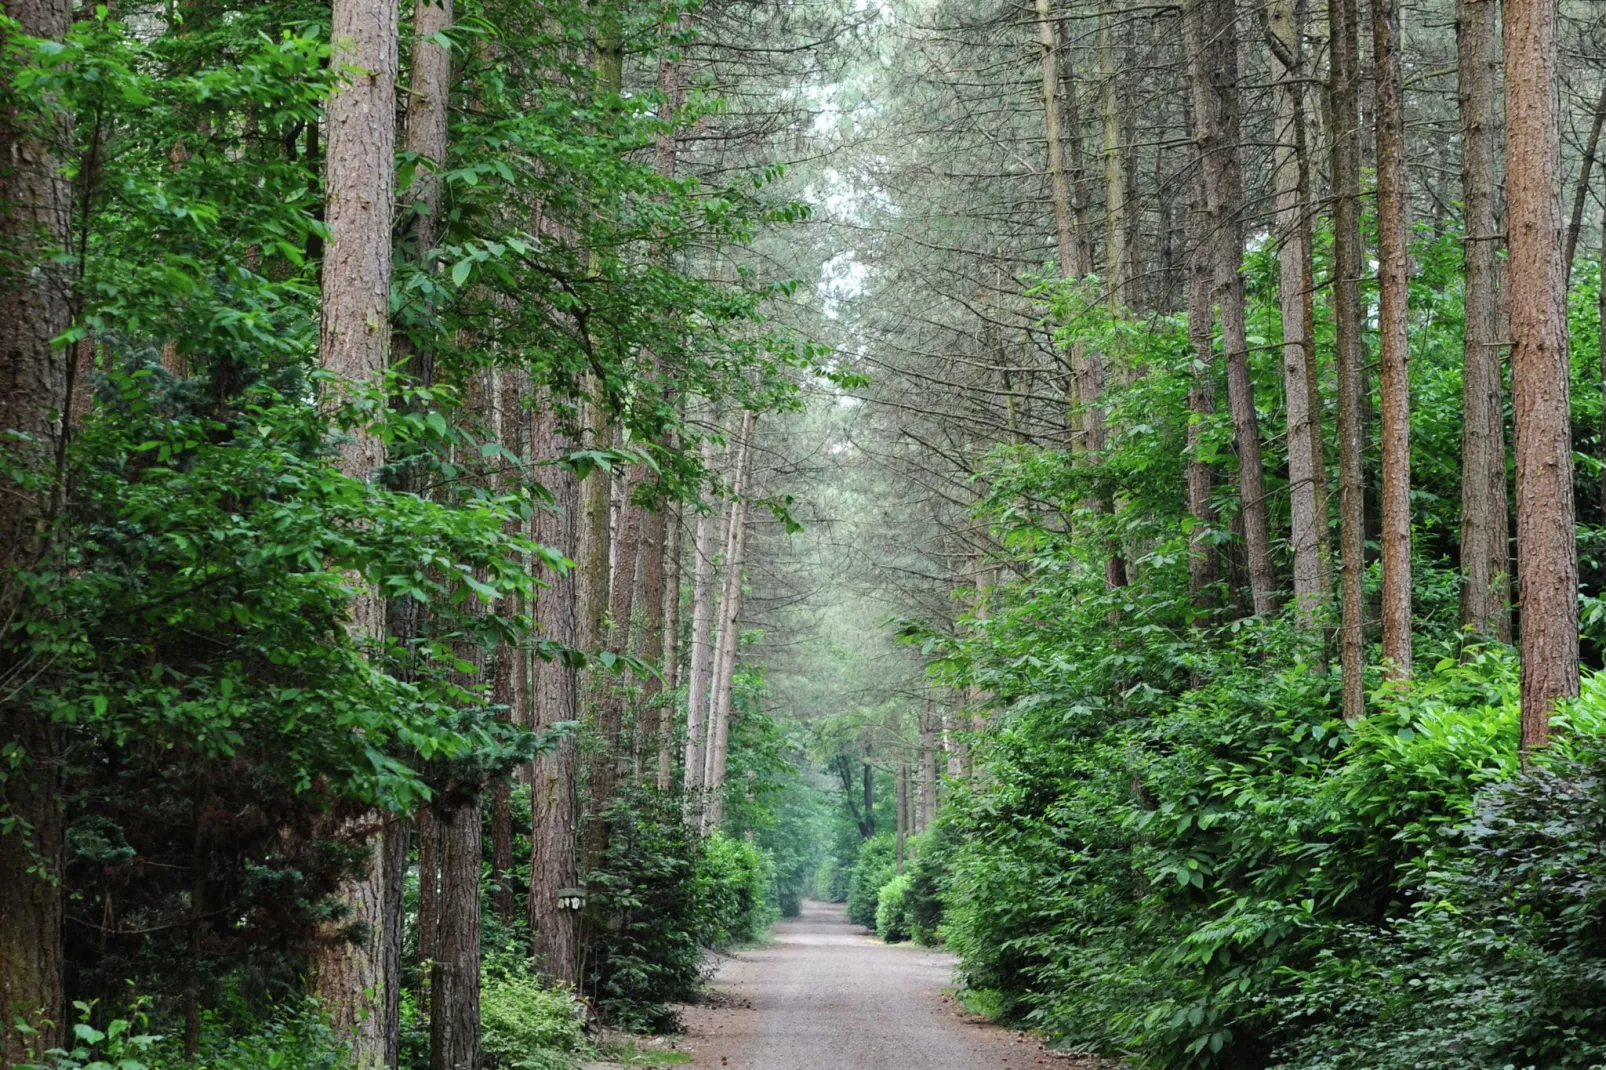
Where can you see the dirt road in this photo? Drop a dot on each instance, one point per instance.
(825, 996)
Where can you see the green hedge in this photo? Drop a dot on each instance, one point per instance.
(874, 867)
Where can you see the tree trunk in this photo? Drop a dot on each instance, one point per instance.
(702, 629)
(429, 884)
(1485, 539)
(671, 647)
(35, 214)
(928, 768)
(1211, 44)
(398, 851)
(1581, 194)
(1394, 385)
(901, 790)
(1204, 559)
(555, 698)
(348, 975)
(730, 612)
(1117, 241)
(1547, 553)
(1059, 183)
(455, 1024)
(1348, 265)
(1284, 32)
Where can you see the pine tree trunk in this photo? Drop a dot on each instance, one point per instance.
(348, 975)
(928, 767)
(555, 698)
(730, 611)
(455, 1023)
(1394, 386)
(702, 630)
(671, 651)
(1211, 46)
(429, 885)
(35, 213)
(1348, 266)
(1547, 554)
(1059, 182)
(1293, 288)
(398, 857)
(901, 789)
(1117, 242)
(1204, 560)
(1485, 537)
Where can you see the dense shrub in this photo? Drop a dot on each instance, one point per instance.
(644, 951)
(892, 918)
(927, 886)
(873, 869)
(292, 1037)
(528, 1025)
(732, 883)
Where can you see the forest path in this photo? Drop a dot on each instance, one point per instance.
(825, 996)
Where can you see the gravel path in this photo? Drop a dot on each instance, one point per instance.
(825, 996)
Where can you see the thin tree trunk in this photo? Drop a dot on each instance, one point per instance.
(1210, 42)
(35, 386)
(348, 975)
(730, 611)
(614, 695)
(1581, 194)
(1343, 124)
(671, 647)
(398, 851)
(1394, 385)
(1284, 32)
(1485, 541)
(928, 767)
(429, 883)
(555, 698)
(1547, 553)
(1059, 183)
(702, 628)
(902, 793)
(1117, 244)
(1601, 316)
(1204, 560)
(455, 1023)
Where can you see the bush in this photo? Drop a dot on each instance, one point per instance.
(831, 881)
(294, 1037)
(1503, 960)
(874, 867)
(644, 950)
(927, 876)
(529, 1026)
(732, 906)
(892, 919)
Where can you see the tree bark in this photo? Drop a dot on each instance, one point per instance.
(398, 851)
(1117, 242)
(1059, 182)
(1293, 289)
(348, 974)
(429, 885)
(555, 699)
(730, 612)
(671, 647)
(35, 214)
(455, 1023)
(1394, 386)
(1211, 44)
(902, 792)
(1348, 265)
(702, 629)
(1485, 537)
(1547, 553)
(928, 767)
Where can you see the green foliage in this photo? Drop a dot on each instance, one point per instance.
(871, 871)
(292, 1037)
(893, 920)
(733, 880)
(529, 1025)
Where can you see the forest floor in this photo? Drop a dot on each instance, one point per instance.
(823, 995)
